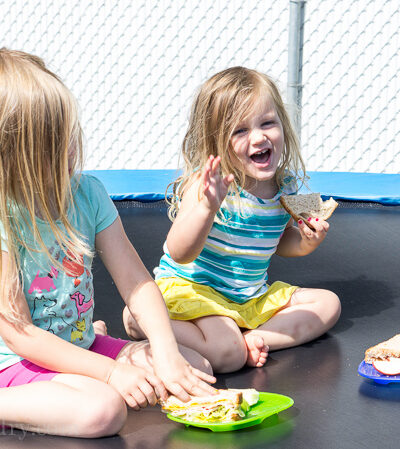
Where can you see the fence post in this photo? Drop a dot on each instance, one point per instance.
(295, 62)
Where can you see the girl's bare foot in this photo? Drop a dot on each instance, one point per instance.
(100, 327)
(257, 351)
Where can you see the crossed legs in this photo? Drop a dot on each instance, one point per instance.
(308, 314)
(75, 405)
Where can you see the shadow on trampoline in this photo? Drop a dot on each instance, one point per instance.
(274, 428)
(385, 392)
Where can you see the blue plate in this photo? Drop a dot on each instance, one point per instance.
(367, 370)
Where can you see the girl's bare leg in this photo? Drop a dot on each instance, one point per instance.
(69, 405)
(309, 314)
(216, 338)
(138, 353)
(100, 327)
(78, 406)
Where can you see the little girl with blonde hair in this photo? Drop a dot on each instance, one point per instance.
(56, 375)
(241, 154)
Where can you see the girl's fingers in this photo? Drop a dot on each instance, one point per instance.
(205, 178)
(149, 393)
(130, 400)
(201, 389)
(195, 386)
(304, 229)
(318, 224)
(137, 400)
(215, 163)
(228, 180)
(204, 376)
(178, 391)
(159, 387)
(209, 164)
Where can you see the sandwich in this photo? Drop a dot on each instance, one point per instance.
(385, 356)
(308, 205)
(223, 407)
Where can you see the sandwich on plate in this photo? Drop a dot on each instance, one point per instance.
(385, 356)
(223, 407)
(307, 206)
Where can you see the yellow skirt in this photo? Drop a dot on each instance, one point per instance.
(187, 300)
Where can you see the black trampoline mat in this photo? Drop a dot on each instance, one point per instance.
(334, 408)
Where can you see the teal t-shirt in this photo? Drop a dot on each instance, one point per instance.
(62, 301)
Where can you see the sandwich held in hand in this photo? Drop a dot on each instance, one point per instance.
(311, 205)
(385, 356)
(223, 407)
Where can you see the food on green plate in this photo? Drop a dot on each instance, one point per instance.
(223, 407)
(385, 356)
(250, 396)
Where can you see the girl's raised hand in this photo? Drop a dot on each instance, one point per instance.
(138, 387)
(215, 187)
(313, 237)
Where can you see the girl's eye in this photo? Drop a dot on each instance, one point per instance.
(238, 131)
(268, 123)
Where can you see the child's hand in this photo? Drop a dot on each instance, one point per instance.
(138, 387)
(180, 378)
(311, 238)
(215, 187)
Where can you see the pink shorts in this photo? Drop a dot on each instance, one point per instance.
(25, 372)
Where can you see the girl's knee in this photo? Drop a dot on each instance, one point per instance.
(196, 359)
(130, 325)
(334, 307)
(228, 354)
(325, 303)
(126, 317)
(104, 415)
(329, 308)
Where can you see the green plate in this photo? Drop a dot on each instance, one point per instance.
(269, 404)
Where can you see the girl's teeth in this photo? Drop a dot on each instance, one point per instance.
(261, 156)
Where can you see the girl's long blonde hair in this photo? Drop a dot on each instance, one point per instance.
(40, 149)
(220, 105)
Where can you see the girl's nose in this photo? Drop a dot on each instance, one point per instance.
(257, 136)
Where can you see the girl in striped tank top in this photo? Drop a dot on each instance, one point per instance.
(241, 154)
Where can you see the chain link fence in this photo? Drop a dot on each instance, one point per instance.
(134, 67)
(351, 101)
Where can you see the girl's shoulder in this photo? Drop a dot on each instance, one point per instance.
(86, 182)
(89, 192)
(87, 186)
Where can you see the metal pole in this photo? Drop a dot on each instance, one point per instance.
(295, 62)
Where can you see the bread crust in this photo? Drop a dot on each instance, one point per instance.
(223, 395)
(307, 213)
(384, 350)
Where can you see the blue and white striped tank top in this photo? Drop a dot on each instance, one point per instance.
(238, 249)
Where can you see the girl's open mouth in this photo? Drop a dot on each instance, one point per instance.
(261, 157)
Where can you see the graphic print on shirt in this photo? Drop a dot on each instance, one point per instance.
(43, 310)
(73, 268)
(80, 303)
(57, 304)
(77, 334)
(44, 283)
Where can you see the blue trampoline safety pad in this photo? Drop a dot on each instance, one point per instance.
(150, 185)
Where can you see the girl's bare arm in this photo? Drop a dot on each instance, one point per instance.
(197, 210)
(146, 304)
(301, 240)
